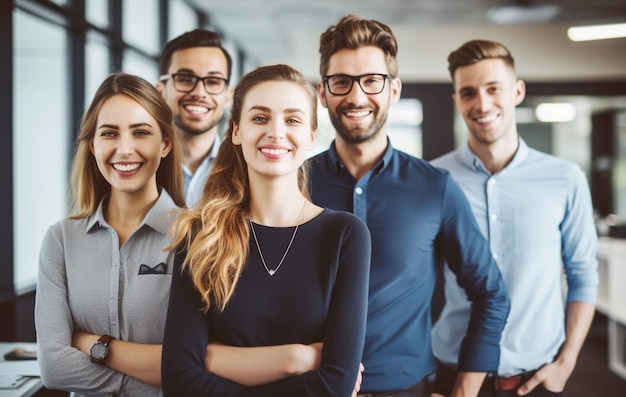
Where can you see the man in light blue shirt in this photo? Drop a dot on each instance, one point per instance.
(536, 212)
(195, 77)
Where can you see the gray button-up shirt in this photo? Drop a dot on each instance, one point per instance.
(88, 283)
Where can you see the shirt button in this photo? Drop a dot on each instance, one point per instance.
(495, 256)
(494, 217)
(359, 190)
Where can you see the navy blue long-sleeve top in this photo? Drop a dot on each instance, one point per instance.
(319, 294)
(416, 214)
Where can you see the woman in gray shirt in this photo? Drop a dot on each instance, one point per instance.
(104, 278)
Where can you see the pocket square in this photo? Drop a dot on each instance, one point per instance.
(161, 268)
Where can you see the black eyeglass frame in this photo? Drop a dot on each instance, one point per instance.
(358, 80)
(165, 77)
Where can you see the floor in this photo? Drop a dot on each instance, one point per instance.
(592, 376)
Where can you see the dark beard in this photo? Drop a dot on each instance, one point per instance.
(361, 135)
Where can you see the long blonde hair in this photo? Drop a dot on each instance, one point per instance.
(88, 186)
(215, 232)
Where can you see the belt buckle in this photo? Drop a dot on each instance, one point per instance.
(507, 384)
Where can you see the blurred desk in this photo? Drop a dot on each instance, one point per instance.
(33, 384)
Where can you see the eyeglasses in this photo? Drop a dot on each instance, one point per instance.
(341, 84)
(185, 82)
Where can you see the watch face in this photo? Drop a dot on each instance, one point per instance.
(98, 351)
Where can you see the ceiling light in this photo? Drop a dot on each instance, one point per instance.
(519, 14)
(597, 32)
(555, 112)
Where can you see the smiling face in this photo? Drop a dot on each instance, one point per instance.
(275, 128)
(197, 112)
(359, 117)
(128, 146)
(486, 94)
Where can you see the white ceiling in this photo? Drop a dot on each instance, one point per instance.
(273, 31)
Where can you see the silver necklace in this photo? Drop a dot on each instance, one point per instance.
(269, 271)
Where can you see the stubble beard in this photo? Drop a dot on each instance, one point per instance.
(183, 127)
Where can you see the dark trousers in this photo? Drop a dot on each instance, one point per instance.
(445, 378)
(420, 389)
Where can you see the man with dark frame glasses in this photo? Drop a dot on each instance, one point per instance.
(416, 213)
(186, 60)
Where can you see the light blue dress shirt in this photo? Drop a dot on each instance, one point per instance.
(538, 217)
(194, 182)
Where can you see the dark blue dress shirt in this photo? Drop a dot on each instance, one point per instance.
(417, 215)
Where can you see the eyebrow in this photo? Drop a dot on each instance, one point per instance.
(135, 125)
(266, 109)
(208, 74)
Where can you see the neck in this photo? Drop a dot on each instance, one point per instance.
(359, 158)
(195, 148)
(127, 211)
(495, 155)
(276, 204)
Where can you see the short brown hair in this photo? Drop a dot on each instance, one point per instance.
(192, 39)
(478, 50)
(354, 32)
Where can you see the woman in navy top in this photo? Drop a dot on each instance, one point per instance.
(258, 264)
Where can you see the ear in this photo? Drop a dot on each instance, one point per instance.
(311, 144)
(91, 148)
(230, 92)
(160, 87)
(321, 93)
(454, 102)
(236, 139)
(520, 91)
(166, 147)
(395, 86)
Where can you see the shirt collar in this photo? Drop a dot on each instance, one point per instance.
(337, 165)
(155, 218)
(474, 162)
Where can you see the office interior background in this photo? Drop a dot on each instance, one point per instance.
(55, 53)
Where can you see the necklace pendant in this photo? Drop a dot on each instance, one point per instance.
(271, 272)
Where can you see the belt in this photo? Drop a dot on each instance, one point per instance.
(506, 383)
(446, 378)
(420, 389)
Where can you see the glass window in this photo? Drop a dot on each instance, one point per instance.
(96, 65)
(97, 12)
(181, 18)
(139, 65)
(41, 146)
(140, 24)
(619, 170)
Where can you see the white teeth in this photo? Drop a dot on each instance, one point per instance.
(362, 113)
(487, 119)
(126, 167)
(196, 109)
(274, 152)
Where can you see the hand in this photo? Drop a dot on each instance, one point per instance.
(552, 376)
(83, 341)
(317, 354)
(436, 395)
(359, 380)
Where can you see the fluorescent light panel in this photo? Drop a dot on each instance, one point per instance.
(597, 32)
(555, 112)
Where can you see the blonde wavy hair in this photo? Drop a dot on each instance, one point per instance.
(215, 232)
(87, 185)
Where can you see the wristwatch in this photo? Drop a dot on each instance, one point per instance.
(100, 349)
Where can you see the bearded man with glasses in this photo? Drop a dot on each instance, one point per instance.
(417, 215)
(186, 60)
